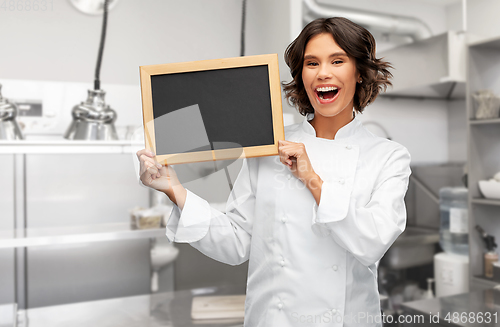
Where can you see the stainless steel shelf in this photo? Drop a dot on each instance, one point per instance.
(490, 202)
(487, 282)
(69, 147)
(443, 77)
(77, 234)
(484, 121)
(488, 43)
(483, 136)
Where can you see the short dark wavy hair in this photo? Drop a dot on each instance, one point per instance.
(357, 42)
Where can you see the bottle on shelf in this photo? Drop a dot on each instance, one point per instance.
(490, 256)
(454, 228)
(429, 294)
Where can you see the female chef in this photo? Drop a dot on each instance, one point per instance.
(315, 221)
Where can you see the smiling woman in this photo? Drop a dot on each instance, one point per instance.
(315, 221)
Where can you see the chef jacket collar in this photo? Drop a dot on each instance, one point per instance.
(344, 132)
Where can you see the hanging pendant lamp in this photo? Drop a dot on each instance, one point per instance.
(93, 119)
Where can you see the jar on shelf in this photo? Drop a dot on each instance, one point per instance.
(454, 228)
(487, 104)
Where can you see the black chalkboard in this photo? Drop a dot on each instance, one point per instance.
(207, 106)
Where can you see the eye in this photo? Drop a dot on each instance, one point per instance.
(311, 63)
(339, 61)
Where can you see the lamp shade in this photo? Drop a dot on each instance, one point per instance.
(9, 128)
(92, 119)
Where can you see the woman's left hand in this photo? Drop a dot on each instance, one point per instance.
(294, 156)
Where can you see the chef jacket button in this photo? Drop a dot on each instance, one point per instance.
(280, 305)
(334, 267)
(288, 176)
(334, 311)
(283, 219)
(282, 263)
(341, 181)
(348, 147)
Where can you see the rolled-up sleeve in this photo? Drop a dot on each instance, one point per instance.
(224, 237)
(367, 231)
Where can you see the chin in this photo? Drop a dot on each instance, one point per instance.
(326, 113)
(329, 112)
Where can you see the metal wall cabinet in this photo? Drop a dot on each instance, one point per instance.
(483, 68)
(80, 190)
(429, 68)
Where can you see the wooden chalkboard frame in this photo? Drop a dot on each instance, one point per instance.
(271, 60)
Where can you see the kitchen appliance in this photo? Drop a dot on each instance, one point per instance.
(9, 128)
(451, 274)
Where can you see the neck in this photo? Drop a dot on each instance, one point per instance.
(327, 127)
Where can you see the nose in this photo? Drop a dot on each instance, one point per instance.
(325, 72)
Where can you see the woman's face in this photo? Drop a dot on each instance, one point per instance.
(329, 76)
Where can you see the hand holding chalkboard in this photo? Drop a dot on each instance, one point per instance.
(161, 178)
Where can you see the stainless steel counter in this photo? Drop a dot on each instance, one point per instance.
(170, 309)
(462, 309)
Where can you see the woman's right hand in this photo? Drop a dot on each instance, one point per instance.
(161, 178)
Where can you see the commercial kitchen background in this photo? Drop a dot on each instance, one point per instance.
(50, 56)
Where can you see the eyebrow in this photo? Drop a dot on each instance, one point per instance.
(336, 54)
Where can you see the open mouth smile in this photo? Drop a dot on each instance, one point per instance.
(327, 93)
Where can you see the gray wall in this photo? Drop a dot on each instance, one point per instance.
(61, 44)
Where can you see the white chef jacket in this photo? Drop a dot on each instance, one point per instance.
(310, 265)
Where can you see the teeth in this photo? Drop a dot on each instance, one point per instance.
(326, 88)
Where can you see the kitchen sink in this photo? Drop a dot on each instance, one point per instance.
(414, 247)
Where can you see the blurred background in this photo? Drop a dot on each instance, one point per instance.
(76, 227)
